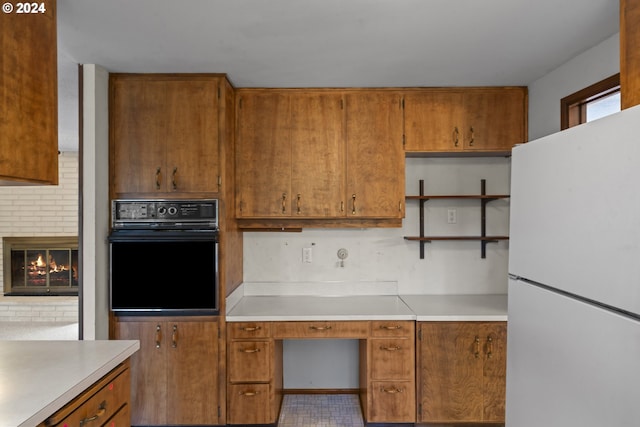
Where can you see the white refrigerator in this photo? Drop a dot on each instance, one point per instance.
(573, 344)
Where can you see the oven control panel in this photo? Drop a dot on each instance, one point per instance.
(153, 214)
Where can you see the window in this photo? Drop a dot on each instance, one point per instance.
(590, 103)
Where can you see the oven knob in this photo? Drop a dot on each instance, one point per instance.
(162, 210)
(173, 210)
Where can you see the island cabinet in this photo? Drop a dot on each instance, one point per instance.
(309, 155)
(105, 403)
(487, 120)
(175, 372)
(165, 133)
(29, 95)
(461, 371)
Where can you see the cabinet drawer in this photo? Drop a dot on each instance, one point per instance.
(392, 402)
(121, 419)
(248, 404)
(95, 407)
(249, 361)
(391, 359)
(321, 329)
(386, 328)
(249, 329)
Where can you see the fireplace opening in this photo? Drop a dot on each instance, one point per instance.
(40, 266)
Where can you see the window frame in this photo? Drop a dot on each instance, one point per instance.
(573, 109)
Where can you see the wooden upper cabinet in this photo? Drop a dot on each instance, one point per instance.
(29, 96)
(263, 155)
(164, 134)
(290, 154)
(375, 159)
(489, 120)
(629, 53)
(317, 147)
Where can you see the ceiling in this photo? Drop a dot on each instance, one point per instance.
(330, 43)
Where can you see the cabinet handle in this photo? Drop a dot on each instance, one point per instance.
(174, 337)
(341, 206)
(394, 348)
(455, 136)
(392, 390)
(391, 327)
(158, 336)
(102, 409)
(489, 347)
(320, 328)
(158, 177)
(174, 181)
(249, 393)
(472, 137)
(250, 350)
(477, 352)
(298, 203)
(251, 328)
(353, 200)
(284, 202)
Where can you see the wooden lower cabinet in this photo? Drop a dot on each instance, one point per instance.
(388, 365)
(461, 371)
(254, 373)
(175, 372)
(106, 403)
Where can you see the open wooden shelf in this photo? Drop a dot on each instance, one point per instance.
(484, 199)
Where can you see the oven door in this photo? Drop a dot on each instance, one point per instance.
(157, 272)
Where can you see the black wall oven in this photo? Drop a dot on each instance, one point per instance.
(164, 257)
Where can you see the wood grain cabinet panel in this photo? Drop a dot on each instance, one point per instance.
(387, 372)
(629, 53)
(29, 96)
(290, 155)
(175, 372)
(254, 374)
(106, 403)
(375, 160)
(164, 134)
(465, 120)
(461, 371)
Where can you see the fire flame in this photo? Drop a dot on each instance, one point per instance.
(39, 266)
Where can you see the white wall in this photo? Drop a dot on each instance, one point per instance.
(95, 203)
(591, 66)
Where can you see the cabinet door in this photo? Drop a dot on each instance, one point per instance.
(192, 374)
(494, 336)
(191, 121)
(137, 134)
(375, 159)
(249, 361)
(495, 119)
(148, 370)
(450, 372)
(433, 121)
(29, 97)
(263, 156)
(249, 404)
(317, 146)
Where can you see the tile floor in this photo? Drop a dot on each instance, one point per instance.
(320, 410)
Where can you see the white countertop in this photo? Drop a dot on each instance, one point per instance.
(356, 301)
(487, 308)
(39, 377)
(305, 307)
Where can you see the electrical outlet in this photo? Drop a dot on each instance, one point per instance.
(306, 255)
(452, 216)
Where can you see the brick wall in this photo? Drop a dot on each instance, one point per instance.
(29, 211)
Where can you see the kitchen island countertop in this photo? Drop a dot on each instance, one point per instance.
(37, 378)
